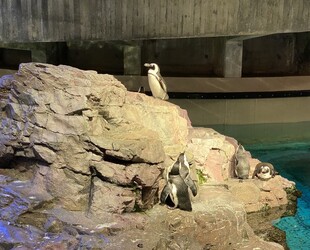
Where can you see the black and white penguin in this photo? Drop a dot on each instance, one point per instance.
(264, 171)
(156, 81)
(141, 90)
(185, 173)
(176, 192)
(242, 165)
(180, 167)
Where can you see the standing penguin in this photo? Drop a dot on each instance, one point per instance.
(141, 90)
(156, 81)
(180, 167)
(264, 171)
(242, 165)
(176, 192)
(185, 173)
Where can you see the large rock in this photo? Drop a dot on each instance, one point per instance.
(92, 153)
(72, 120)
(212, 153)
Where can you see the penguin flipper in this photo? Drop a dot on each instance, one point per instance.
(184, 201)
(254, 173)
(165, 193)
(191, 184)
(167, 197)
(163, 86)
(185, 205)
(161, 82)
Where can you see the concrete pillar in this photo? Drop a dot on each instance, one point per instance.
(233, 58)
(132, 60)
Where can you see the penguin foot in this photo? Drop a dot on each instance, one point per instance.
(171, 208)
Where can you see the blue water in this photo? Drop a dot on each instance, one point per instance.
(291, 160)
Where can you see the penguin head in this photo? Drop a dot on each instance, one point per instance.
(175, 169)
(184, 160)
(264, 169)
(181, 157)
(152, 66)
(240, 148)
(240, 152)
(178, 164)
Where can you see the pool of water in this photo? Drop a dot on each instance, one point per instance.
(291, 160)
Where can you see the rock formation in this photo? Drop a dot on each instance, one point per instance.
(82, 155)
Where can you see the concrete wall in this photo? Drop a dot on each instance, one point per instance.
(302, 56)
(11, 58)
(99, 56)
(273, 55)
(67, 20)
(270, 55)
(12, 54)
(186, 57)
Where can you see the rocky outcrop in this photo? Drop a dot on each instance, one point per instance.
(82, 154)
(67, 122)
(213, 155)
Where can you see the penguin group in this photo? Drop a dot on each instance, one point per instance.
(179, 184)
(263, 170)
(156, 81)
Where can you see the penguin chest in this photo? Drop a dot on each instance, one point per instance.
(242, 169)
(264, 174)
(156, 89)
(174, 195)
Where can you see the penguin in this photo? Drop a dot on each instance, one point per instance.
(242, 165)
(141, 90)
(185, 173)
(181, 167)
(156, 81)
(264, 171)
(176, 192)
